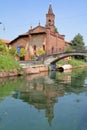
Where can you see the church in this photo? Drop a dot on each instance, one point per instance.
(43, 38)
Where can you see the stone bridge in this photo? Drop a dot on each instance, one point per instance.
(51, 59)
(55, 57)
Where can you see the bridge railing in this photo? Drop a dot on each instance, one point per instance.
(63, 50)
(55, 51)
(80, 49)
(30, 62)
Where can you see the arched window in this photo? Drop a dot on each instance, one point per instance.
(49, 21)
(35, 47)
(44, 47)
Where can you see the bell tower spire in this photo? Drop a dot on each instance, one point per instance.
(50, 19)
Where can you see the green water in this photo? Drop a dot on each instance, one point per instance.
(46, 101)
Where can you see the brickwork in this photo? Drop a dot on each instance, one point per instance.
(37, 40)
(21, 41)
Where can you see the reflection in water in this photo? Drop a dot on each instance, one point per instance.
(44, 90)
(40, 94)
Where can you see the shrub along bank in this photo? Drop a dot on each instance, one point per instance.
(73, 62)
(9, 66)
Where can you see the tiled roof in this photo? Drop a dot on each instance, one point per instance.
(5, 41)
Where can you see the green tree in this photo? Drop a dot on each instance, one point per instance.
(3, 48)
(56, 30)
(78, 41)
(78, 44)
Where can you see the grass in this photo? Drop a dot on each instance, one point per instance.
(73, 62)
(8, 63)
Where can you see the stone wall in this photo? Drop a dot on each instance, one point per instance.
(35, 69)
(8, 74)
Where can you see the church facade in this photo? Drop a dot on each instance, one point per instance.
(45, 38)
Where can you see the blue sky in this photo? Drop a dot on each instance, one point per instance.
(18, 15)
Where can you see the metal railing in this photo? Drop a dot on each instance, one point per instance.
(30, 62)
(71, 49)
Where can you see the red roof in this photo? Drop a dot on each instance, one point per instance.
(5, 41)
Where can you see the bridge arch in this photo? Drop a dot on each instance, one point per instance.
(67, 55)
(53, 58)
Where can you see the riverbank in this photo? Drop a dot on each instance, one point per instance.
(8, 73)
(34, 69)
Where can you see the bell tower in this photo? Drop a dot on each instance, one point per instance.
(50, 19)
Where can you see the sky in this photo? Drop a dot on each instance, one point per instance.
(17, 16)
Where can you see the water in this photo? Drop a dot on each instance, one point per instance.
(46, 101)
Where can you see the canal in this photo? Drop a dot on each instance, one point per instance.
(46, 101)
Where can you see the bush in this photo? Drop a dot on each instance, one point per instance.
(3, 48)
(41, 52)
(22, 52)
(8, 63)
(75, 62)
(12, 51)
(72, 62)
(32, 56)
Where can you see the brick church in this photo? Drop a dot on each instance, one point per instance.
(46, 38)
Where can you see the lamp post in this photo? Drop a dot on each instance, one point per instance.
(3, 26)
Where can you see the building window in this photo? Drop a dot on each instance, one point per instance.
(34, 47)
(44, 47)
(52, 49)
(49, 21)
